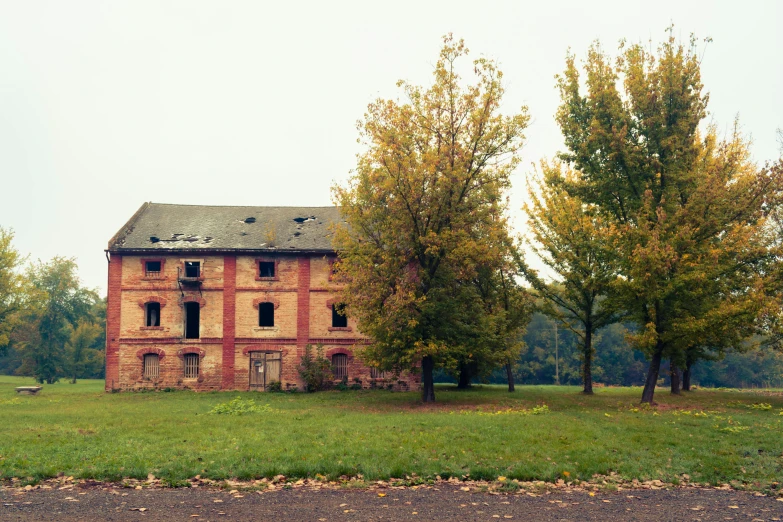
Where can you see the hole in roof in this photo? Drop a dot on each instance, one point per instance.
(154, 239)
(250, 220)
(304, 219)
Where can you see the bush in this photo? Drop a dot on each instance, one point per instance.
(275, 386)
(239, 406)
(315, 369)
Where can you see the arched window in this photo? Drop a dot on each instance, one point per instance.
(266, 314)
(152, 314)
(191, 365)
(340, 366)
(151, 366)
(339, 319)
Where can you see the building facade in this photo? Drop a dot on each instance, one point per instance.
(227, 298)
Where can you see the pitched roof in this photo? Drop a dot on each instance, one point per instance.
(161, 227)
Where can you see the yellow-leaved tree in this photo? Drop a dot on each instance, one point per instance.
(424, 222)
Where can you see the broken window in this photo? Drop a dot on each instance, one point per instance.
(191, 365)
(266, 269)
(152, 314)
(192, 269)
(152, 268)
(192, 316)
(266, 314)
(340, 366)
(151, 366)
(339, 319)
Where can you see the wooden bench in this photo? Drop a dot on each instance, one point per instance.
(28, 390)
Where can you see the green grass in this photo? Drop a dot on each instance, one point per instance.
(713, 436)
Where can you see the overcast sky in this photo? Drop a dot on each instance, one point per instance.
(105, 105)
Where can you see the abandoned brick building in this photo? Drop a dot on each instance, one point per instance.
(227, 298)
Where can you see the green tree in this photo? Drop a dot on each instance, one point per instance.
(58, 301)
(570, 238)
(687, 209)
(423, 211)
(11, 288)
(80, 354)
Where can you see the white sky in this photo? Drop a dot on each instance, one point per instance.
(105, 104)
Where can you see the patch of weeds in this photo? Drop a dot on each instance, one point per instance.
(174, 483)
(764, 406)
(240, 406)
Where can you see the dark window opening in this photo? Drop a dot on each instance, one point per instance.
(375, 373)
(266, 314)
(152, 313)
(340, 366)
(266, 269)
(152, 268)
(191, 365)
(151, 368)
(339, 319)
(192, 269)
(192, 316)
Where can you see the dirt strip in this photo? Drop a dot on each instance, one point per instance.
(445, 502)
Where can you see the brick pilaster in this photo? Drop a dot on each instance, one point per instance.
(113, 314)
(303, 303)
(229, 318)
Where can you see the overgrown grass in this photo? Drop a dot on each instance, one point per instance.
(713, 436)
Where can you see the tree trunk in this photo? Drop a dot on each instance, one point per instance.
(427, 386)
(510, 377)
(465, 376)
(652, 375)
(675, 377)
(686, 378)
(587, 369)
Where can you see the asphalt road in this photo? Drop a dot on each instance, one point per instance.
(445, 502)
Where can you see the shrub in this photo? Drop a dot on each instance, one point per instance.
(275, 386)
(315, 369)
(239, 406)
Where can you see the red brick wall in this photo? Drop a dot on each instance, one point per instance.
(229, 326)
(229, 312)
(113, 315)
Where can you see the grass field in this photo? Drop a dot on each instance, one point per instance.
(713, 436)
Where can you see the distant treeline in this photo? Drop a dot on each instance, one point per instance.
(616, 364)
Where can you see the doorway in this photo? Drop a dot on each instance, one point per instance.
(192, 318)
(264, 369)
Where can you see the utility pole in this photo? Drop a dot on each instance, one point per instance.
(557, 359)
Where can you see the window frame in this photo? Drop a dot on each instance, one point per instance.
(190, 357)
(147, 314)
(341, 366)
(146, 275)
(336, 314)
(148, 367)
(260, 260)
(269, 304)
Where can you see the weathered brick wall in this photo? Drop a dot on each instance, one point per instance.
(301, 291)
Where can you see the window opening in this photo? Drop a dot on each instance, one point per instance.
(375, 373)
(266, 314)
(191, 365)
(340, 366)
(151, 366)
(152, 312)
(152, 268)
(339, 319)
(192, 316)
(266, 269)
(192, 269)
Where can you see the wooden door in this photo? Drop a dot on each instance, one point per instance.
(264, 368)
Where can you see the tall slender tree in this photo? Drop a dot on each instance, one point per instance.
(570, 237)
(421, 215)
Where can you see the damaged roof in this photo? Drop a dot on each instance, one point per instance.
(160, 227)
